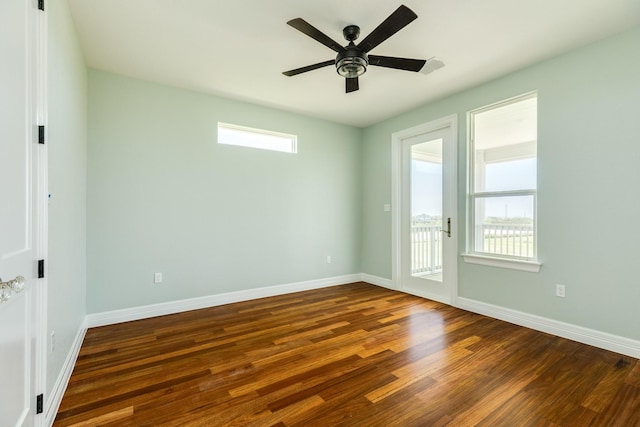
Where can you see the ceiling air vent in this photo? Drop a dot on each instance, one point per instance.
(431, 65)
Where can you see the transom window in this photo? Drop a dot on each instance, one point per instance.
(256, 138)
(503, 179)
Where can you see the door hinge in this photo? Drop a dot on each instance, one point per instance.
(39, 403)
(40, 134)
(40, 268)
(41, 4)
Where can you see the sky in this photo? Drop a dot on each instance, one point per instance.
(426, 189)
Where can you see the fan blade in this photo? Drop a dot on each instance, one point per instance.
(309, 68)
(394, 23)
(308, 29)
(352, 84)
(398, 63)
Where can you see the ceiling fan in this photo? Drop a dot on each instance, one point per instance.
(352, 60)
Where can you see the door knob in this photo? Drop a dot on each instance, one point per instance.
(16, 285)
(448, 230)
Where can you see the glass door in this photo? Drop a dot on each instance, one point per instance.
(427, 210)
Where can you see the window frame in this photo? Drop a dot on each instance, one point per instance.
(255, 131)
(474, 256)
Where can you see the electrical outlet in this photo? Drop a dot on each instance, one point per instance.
(157, 278)
(328, 259)
(560, 291)
(53, 341)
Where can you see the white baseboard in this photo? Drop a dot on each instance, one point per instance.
(615, 343)
(60, 386)
(172, 307)
(592, 337)
(378, 281)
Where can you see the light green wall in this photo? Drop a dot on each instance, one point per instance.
(165, 197)
(67, 138)
(588, 203)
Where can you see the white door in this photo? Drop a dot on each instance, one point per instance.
(425, 222)
(18, 236)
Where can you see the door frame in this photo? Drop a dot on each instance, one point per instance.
(450, 175)
(38, 69)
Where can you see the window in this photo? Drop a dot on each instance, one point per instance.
(503, 180)
(256, 138)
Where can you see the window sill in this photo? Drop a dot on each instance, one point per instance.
(512, 264)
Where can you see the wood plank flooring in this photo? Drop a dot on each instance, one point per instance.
(352, 355)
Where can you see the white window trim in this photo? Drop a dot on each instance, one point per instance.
(532, 265)
(292, 138)
(508, 263)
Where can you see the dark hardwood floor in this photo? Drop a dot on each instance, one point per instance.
(352, 355)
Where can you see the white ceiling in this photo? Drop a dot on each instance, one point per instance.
(239, 48)
(506, 125)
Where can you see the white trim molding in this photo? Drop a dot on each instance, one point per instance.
(40, 173)
(450, 205)
(378, 281)
(60, 386)
(512, 264)
(615, 343)
(172, 307)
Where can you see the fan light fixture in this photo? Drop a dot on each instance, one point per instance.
(351, 62)
(351, 66)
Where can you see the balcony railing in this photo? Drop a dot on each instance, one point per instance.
(426, 249)
(499, 239)
(506, 239)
